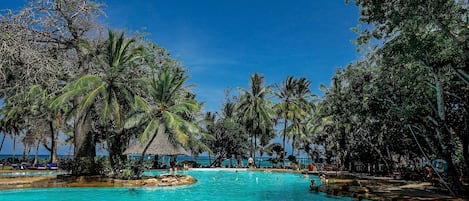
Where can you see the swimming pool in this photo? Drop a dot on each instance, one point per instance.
(216, 184)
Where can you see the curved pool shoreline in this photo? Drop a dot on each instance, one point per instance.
(212, 184)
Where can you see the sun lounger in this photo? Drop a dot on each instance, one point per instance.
(39, 167)
(53, 166)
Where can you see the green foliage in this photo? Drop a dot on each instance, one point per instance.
(229, 139)
(414, 78)
(294, 107)
(84, 166)
(255, 109)
(168, 110)
(292, 159)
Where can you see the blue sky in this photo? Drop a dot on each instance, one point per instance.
(223, 42)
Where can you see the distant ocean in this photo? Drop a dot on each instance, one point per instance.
(204, 160)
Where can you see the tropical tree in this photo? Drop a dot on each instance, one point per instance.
(429, 35)
(109, 93)
(207, 126)
(293, 106)
(264, 143)
(276, 150)
(256, 109)
(303, 96)
(230, 141)
(199, 142)
(13, 121)
(43, 44)
(39, 100)
(164, 113)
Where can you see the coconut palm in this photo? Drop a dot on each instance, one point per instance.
(302, 99)
(39, 99)
(256, 109)
(109, 93)
(199, 142)
(165, 110)
(287, 109)
(12, 121)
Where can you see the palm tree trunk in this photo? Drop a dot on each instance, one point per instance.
(298, 156)
(3, 140)
(444, 135)
(161, 131)
(37, 152)
(14, 146)
(284, 135)
(240, 161)
(293, 145)
(25, 148)
(261, 153)
(252, 143)
(53, 148)
(255, 145)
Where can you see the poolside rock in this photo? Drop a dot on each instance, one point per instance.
(162, 180)
(170, 180)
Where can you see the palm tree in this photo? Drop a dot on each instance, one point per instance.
(265, 139)
(110, 92)
(199, 142)
(294, 106)
(302, 97)
(255, 108)
(208, 122)
(165, 113)
(286, 109)
(11, 120)
(39, 99)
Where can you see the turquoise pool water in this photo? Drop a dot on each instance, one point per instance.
(226, 185)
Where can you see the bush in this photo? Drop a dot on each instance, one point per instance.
(84, 166)
(292, 159)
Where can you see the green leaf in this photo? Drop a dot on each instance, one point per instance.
(149, 131)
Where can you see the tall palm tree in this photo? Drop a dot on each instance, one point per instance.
(285, 108)
(39, 99)
(294, 106)
(255, 108)
(165, 113)
(302, 97)
(199, 142)
(12, 120)
(109, 93)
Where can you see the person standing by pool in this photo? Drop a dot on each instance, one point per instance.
(250, 162)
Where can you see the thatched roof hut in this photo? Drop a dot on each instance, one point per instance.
(160, 146)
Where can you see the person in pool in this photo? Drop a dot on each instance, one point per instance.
(313, 186)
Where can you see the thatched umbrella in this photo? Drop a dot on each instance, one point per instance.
(160, 146)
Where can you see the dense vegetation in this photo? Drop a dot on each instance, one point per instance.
(404, 102)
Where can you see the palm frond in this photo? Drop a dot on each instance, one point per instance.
(149, 131)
